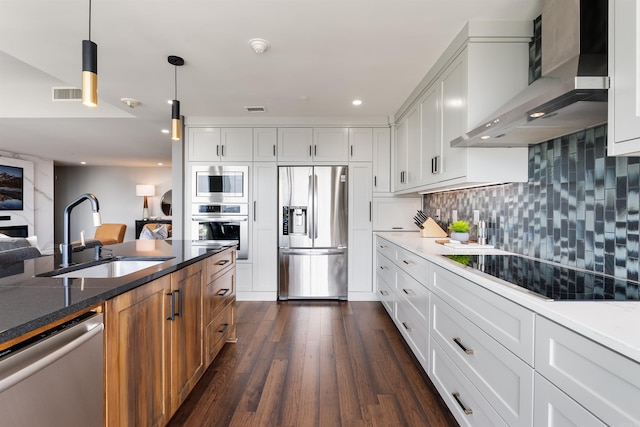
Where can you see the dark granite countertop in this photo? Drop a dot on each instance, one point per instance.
(28, 302)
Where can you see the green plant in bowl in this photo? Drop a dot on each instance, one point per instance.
(459, 226)
(462, 259)
(460, 231)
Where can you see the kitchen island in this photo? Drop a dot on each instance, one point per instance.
(28, 302)
(163, 324)
(503, 355)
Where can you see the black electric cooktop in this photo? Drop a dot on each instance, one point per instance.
(550, 280)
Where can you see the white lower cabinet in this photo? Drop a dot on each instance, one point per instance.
(604, 382)
(504, 380)
(414, 330)
(479, 349)
(465, 402)
(553, 408)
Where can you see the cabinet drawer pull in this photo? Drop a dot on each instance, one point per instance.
(352, 151)
(217, 150)
(406, 326)
(408, 291)
(466, 410)
(384, 293)
(382, 247)
(274, 150)
(223, 328)
(222, 262)
(179, 312)
(383, 267)
(408, 262)
(315, 150)
(223, 292)
(375, 181)
(397, 228)
(465, 349)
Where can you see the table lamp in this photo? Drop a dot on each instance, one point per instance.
(145, 190)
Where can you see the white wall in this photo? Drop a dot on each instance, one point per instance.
(43, 190)
(115, 189)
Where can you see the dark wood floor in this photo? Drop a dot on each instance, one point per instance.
(314, 364)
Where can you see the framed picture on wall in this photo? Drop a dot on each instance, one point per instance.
(11, 188)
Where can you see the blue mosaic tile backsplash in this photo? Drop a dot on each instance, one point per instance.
(579, 207)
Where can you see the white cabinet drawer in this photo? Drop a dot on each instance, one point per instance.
(387, 295)
(386, 269)
(413, 264)
(500, 376)
(414, 330)
(415, 294)
(465, 402)
(507, 322)
(605, 382)
(553, 408)
(385, 247)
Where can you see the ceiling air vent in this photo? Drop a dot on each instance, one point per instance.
(255, 109)
(66, 94)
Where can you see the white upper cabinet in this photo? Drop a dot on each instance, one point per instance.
(313, 144)
(220, 144)
(360, 145)
(331, 144)
(624, 69)
(381, 160)
(265, 144)
(295, 144)
(483, 68)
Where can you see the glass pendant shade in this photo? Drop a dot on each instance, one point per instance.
(89, 73)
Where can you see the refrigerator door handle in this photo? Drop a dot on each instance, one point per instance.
(310, 199)
(315, 206)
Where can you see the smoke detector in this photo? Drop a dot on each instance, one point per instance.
(259, 45)
(130, 102)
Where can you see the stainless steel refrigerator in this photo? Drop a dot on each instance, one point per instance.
(313, 219)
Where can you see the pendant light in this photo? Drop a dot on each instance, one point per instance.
(176, 127)
(89, 69)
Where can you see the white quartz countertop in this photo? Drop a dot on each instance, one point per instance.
(614, 324)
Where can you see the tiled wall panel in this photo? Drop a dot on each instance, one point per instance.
(579, 207)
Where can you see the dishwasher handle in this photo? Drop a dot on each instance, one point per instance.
(26, 363)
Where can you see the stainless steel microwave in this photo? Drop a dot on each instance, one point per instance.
(220, 184)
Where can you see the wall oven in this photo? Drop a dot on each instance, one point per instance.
(220, 184)
(213, 225)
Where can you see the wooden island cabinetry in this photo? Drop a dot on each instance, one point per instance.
(161, 336)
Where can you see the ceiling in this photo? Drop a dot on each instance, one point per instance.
(324, 54)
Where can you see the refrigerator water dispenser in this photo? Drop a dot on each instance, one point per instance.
(294, 220)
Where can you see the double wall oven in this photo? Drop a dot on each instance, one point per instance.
(220, 208)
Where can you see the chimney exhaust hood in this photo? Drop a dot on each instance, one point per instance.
(571, 94)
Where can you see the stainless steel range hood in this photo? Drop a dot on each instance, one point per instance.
(572, 92)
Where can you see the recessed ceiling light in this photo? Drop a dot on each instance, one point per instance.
(165, 131)
(356, 102)
(485, 137)
(160, 164)
(536, 115)
(83, 163)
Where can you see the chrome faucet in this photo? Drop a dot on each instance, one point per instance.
(66, 248)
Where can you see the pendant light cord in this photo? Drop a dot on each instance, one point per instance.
(175, 68)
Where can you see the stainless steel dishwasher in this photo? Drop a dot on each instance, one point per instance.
(55, 379)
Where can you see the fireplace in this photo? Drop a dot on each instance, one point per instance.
(15, 230)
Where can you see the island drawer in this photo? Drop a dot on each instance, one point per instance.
(219, 293)
(218, 263)
(385, 247)
(220, 330)
(413, 264)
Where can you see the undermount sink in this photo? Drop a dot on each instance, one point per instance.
(114, 268)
